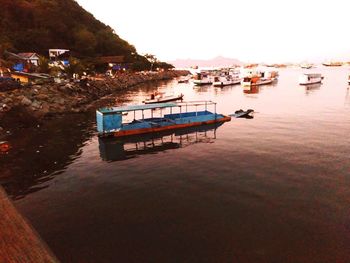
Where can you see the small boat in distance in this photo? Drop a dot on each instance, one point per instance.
(110, 120)
(256, 81)
(183, 80)
(226, 81)
(310, 78)
(258, 78)
(202, 78)
(332, 64)
(160, 97)
(306, 65)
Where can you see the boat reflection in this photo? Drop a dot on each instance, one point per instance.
(251, 90)
(118, 149)
(312, 87)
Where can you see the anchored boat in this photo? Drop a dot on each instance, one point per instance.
(202, 78)
(310, 78)
(171, 116)
(226, 81)
(160, 98)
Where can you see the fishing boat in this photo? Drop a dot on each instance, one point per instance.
(256, 81)
(310, 78)
(160, 97)
(202, 78)
(177, 115)
(258, 78)
(226, 81)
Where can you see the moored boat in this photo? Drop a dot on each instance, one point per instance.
(110, 120)
(202, 78)
(256, 81)
(306, 65)
(310, 78)
(161, 98)
(332, 64)
(226, 81)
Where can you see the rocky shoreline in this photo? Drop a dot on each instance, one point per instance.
(30, 104)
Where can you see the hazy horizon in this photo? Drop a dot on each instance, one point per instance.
(254, 31)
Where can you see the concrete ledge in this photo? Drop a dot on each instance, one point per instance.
(19, 242)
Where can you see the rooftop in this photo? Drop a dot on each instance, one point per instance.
(27, 55)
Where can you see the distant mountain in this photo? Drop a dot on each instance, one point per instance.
(215, 62)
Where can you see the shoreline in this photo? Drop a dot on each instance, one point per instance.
(28, 105)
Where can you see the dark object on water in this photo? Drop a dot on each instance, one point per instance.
(243, 114)
(4, 147)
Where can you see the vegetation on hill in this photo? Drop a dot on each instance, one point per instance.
(37, 25)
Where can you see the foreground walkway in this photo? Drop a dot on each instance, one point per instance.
(18, 240)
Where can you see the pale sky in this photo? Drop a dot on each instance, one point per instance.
(249, 30)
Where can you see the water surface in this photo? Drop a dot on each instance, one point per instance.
(270, 189)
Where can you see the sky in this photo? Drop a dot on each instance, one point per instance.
(270, 31)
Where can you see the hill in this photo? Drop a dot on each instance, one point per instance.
(38, 25)
(215, 62)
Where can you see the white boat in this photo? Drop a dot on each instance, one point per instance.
(254, 77)
(256, 81)
(226, 81)
(202, 78)
(310, 78)
(306, 65)
(161, 98)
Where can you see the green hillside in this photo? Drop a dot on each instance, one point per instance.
(38, 25)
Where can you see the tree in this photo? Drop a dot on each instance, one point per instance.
(85, 41)
(43, 65)
(152, 59)
(74, 67)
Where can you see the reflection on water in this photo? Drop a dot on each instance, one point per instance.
(251, 89)
(117, 149)
(312, 87)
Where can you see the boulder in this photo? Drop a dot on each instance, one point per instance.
(25, 101)
(42, 97)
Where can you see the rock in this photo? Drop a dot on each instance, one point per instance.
(36, 105)
(43, 90)
(5, 108)
(42, 97)
(61, 101)
(25, 101)
(7, 101)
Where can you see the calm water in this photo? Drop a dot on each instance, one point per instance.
(275, 188)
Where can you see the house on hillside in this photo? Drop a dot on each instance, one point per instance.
(30, 58)
(22, 61)
(55, 54)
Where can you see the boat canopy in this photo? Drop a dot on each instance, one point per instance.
(137, 107)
